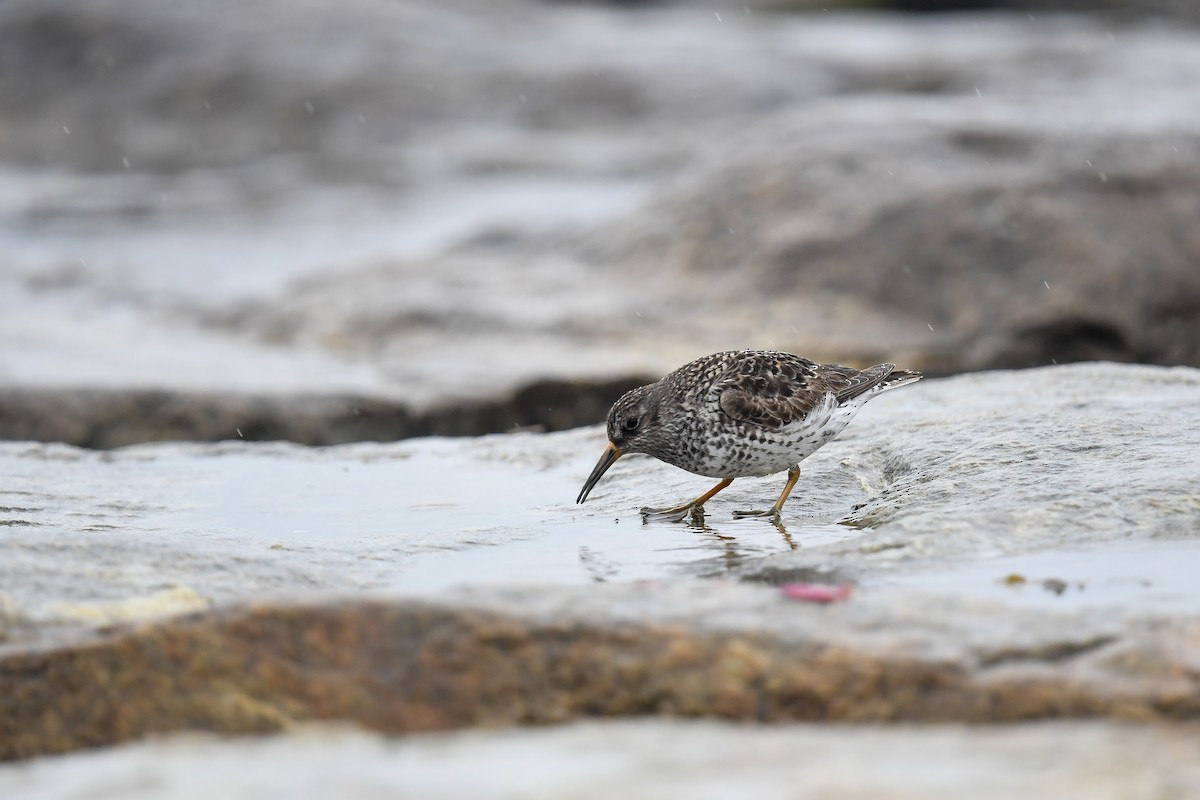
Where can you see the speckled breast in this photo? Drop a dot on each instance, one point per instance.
(740, 450)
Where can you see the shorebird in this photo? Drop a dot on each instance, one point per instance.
(740, 413)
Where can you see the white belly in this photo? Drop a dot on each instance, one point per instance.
(752, 452)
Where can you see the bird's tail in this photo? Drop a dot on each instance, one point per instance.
(879, 378)
(898, 377)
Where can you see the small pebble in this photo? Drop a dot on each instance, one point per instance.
(815, 592)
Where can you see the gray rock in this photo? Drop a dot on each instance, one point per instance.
(642, 759)
(1010, 246)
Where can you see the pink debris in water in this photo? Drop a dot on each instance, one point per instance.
(816, 592)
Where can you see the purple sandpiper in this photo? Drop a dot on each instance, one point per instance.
(738, 414)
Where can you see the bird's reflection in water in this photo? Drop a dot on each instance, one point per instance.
(694, 517)
(696, 521)
(733, 551)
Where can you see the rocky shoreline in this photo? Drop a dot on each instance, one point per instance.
(233, 627)
(308, 312)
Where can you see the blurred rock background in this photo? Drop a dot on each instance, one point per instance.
(375, 219)
(364, 220)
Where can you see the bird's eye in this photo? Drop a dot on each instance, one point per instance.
(630, 424)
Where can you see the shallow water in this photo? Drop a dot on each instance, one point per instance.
(450, 520)
(234, 521)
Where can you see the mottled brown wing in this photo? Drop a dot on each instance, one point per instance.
(780, 389)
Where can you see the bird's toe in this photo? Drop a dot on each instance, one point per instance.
(769, 512)
(675, 514)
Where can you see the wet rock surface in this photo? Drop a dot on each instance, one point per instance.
(243, 587)
(439, 207)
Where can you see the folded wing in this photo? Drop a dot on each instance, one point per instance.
(776, 392)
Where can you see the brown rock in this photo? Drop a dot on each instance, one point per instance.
(554, 656)
(118, 417)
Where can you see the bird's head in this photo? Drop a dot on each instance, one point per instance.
(633, 421)
(633, 427)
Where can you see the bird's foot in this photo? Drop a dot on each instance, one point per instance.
(770, 512)
(672, 514)
(677, 513)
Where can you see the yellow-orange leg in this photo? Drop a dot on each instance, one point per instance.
(678, 511)
(773, 511)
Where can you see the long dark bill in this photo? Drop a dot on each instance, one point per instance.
(611, 454)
